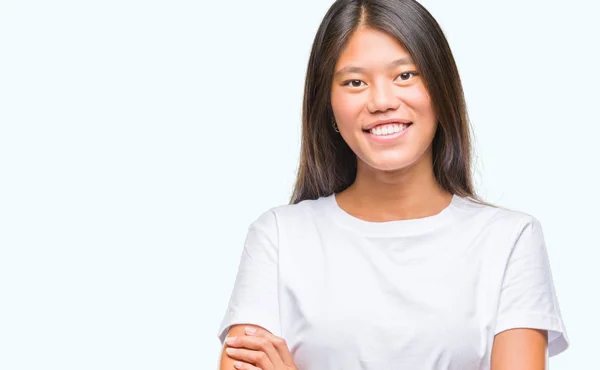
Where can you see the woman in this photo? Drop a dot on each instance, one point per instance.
(385, 258)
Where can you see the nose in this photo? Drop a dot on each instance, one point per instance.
(382, 98)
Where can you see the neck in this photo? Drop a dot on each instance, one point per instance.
(408, 193)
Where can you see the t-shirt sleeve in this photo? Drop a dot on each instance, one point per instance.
(254, 299)
(528, 298)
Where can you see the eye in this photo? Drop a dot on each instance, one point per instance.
(407, 73)
(404, 76)
(351, 83)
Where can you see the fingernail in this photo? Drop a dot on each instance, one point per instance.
(250, 330)
(238, 365)
(230, 340)
(230, 350)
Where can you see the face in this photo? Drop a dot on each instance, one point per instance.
(375, 80)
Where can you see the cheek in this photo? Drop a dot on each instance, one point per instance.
(346, 106)
(420, 102)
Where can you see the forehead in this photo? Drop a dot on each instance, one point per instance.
(369, 47)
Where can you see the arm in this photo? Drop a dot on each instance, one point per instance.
(520, 349)
(529, 327)
(254, 298)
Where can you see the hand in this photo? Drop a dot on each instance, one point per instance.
(259, 350)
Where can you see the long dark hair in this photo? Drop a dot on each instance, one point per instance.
(327, 164)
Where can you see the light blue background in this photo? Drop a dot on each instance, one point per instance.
(138, 140)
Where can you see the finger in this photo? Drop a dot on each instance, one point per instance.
(279, 343)
(258, 344)
(256, 358)
(282, 349)
(244, 366)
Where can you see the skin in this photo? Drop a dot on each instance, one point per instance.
(520, 349)
(395, 181)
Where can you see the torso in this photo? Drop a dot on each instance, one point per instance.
(362, 302)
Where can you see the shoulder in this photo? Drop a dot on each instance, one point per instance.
(286, 217)
(503, 233)
(507, 220)
(516, 222)
(282, 215)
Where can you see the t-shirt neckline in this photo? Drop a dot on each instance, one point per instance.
(391, 228)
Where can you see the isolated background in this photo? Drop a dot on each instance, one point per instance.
(138, 140)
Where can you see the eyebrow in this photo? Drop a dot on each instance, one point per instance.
(395, 63)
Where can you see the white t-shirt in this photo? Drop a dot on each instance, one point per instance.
(427, 293)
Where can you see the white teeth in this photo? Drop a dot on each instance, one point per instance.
(388, 129)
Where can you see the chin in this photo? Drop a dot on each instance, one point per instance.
(389, 164)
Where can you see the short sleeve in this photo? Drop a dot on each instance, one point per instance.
(528, 298)
(254, 299)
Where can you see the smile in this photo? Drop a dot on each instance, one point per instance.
(387, 132)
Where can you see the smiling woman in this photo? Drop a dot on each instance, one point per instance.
(385, 256)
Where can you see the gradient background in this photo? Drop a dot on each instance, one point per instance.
(138, 140)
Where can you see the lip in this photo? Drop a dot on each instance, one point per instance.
(387, 138)
(386, 121)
